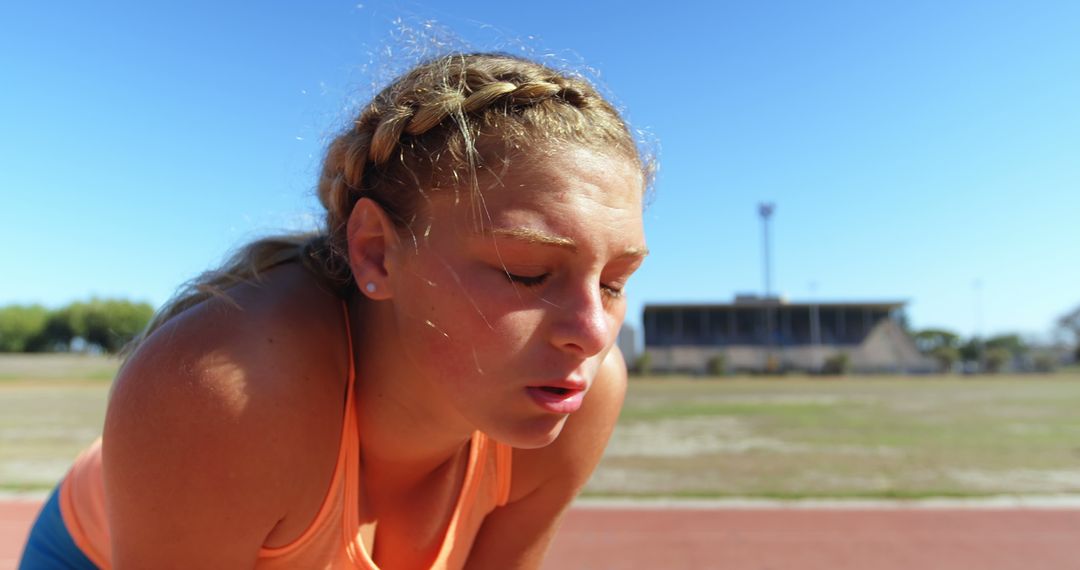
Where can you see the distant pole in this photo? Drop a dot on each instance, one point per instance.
(977, 286)
(815, 329)
(765, 210)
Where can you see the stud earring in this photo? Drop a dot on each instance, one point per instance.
(370, 287)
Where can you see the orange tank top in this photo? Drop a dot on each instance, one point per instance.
(332, 540)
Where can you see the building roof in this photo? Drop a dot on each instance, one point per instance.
(756, 303)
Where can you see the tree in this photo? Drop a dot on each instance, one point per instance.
(1044, 360)
(972, 350)
(1070, 323)
(63, 326)
(109, 324)
(995, 358)
(112, 323)
(929, 340)
(1010, 342)
(946, 357)
(941, 345)
(1004, 349)
(20, 326)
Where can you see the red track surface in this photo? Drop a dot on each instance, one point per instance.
(15, 520)
(775, 538)
(818, 539)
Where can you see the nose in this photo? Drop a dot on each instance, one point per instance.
(583, 325)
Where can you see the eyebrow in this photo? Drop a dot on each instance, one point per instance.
(530, 235)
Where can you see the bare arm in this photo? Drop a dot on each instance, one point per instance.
(178, 473)
(204, 444)
(546, 480)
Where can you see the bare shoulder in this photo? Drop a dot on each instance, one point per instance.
(215, 418)
(573, 456)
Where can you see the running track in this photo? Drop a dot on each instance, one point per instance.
(776, 538)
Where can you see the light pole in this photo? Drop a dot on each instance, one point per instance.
(977, 287)
(765, 210)
(815, 329)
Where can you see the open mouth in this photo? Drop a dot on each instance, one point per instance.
(557, 399)
(555, 390)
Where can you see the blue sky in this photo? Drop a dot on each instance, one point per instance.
(922, 151)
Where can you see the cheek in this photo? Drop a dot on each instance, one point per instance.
(460, 322)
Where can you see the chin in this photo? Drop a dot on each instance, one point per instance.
(534, 434)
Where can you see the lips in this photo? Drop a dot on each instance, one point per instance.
(563, 397)
(556, 390)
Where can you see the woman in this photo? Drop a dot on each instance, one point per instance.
(426, 383)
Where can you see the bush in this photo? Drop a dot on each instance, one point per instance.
(837, 364)
(1044, 361)
(946, 357)
(972, 350)
(62, 327)
(20, 327)
(109, 324)
(996, 357)
(716, 366)
(929, 340)
(773, 365)
(643, 364)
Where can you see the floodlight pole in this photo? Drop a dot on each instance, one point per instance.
(977, 286)
(765, 210)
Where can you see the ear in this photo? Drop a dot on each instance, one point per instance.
(372, 240)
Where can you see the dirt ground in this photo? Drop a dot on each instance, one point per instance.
(631, 537)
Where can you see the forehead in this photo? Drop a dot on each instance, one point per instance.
(562, 191)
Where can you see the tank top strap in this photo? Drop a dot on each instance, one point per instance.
(350, 468)
(332, 532)
(349, 350)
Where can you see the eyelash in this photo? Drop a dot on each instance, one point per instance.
(528, 280)
(537, 280)
(611, 292)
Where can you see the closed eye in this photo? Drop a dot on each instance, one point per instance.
(612, 292)
(528, 280)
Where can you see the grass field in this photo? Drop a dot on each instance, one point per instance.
(51, 406)
(873, 437)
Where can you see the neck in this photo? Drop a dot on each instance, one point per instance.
(404, 435)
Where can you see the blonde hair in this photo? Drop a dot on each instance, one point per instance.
(434, 127)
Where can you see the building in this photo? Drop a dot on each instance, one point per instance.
(627, 343)
(771, 334)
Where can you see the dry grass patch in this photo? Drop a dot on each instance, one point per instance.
(875, 437)
(865, 437)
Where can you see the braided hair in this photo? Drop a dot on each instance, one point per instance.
(436, 126)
